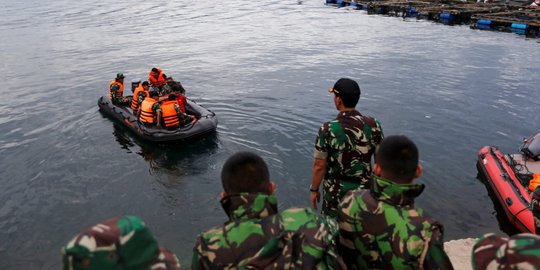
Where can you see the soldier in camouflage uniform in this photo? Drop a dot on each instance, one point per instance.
(116, 91)
(521, 251)
(116, 244)
(343, 149)
(535, 207)
(256, 235)
(381, 227)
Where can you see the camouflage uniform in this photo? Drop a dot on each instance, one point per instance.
(116, 99)
(175, 87)
(535, 207)
(258, 237)
(381, 228)
(184, 118)
(118, 243)
(521, 251)
(347, 144)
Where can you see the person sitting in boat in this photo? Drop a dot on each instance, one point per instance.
(140, 91)
(116, 91)
(149, 110)
(172, 86)
(172, 115)
(157, 78)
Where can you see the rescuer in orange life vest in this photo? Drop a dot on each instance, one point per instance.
(172, 115)
(149, 110)
(116, 91)
(139, 94)
(157, 78)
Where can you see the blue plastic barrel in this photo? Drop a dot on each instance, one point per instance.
(364, 7)
(340, 3)
(354, 4)
(484, 26)
(446, 16)
(518, 31)
(483, 22)
(519, 26)
(330, 1)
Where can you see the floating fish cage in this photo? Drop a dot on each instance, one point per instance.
(515, 16)
(523, 22)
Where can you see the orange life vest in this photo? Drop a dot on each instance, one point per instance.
(169, 114)
(120, 89)
(135, 100)
(159, 81)
(147, 114)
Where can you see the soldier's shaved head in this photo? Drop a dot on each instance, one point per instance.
(245, 172)
(398, 158)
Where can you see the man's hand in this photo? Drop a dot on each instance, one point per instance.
(193, 120)
(315, 198)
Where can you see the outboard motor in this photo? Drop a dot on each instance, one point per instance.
(134, 84)
(531, 147)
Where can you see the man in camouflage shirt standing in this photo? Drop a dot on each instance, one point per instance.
(256, 235)
(343, 149)
(381, 228)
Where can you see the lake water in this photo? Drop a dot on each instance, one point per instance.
(264, 68)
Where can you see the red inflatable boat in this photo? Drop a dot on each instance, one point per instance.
(509, 176)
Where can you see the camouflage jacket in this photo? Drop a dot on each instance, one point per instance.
(521, 251)
(117, 244)
(347, 143)
(258, 237)
(381, 228)
(535, 208)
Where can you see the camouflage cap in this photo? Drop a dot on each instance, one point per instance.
(521, 251)
(118, 243)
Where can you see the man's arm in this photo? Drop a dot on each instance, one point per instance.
(196, 259)
(319, 166)
(114, 93)
(436, 258)
(157, 109)
(319, 169)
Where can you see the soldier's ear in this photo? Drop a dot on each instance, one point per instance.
(377, 170)
(418, 172)
(223, 194)
(272, 187)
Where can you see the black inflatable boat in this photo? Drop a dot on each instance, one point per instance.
(207, 122)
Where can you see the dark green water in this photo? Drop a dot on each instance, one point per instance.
(264, 68)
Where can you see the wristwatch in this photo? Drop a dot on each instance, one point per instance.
(313, 189)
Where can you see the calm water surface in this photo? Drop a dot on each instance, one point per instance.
(264, 68)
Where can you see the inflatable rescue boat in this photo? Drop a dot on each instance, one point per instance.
(509, 176)
(206, 123)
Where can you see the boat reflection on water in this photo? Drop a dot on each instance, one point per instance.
(504, 224)
(171, 159)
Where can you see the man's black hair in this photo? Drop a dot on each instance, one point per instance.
(171, 97)
(349, 92)
(155, 70)
(398, 158)
(154, 94)
(145, 83)
(245, 172)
